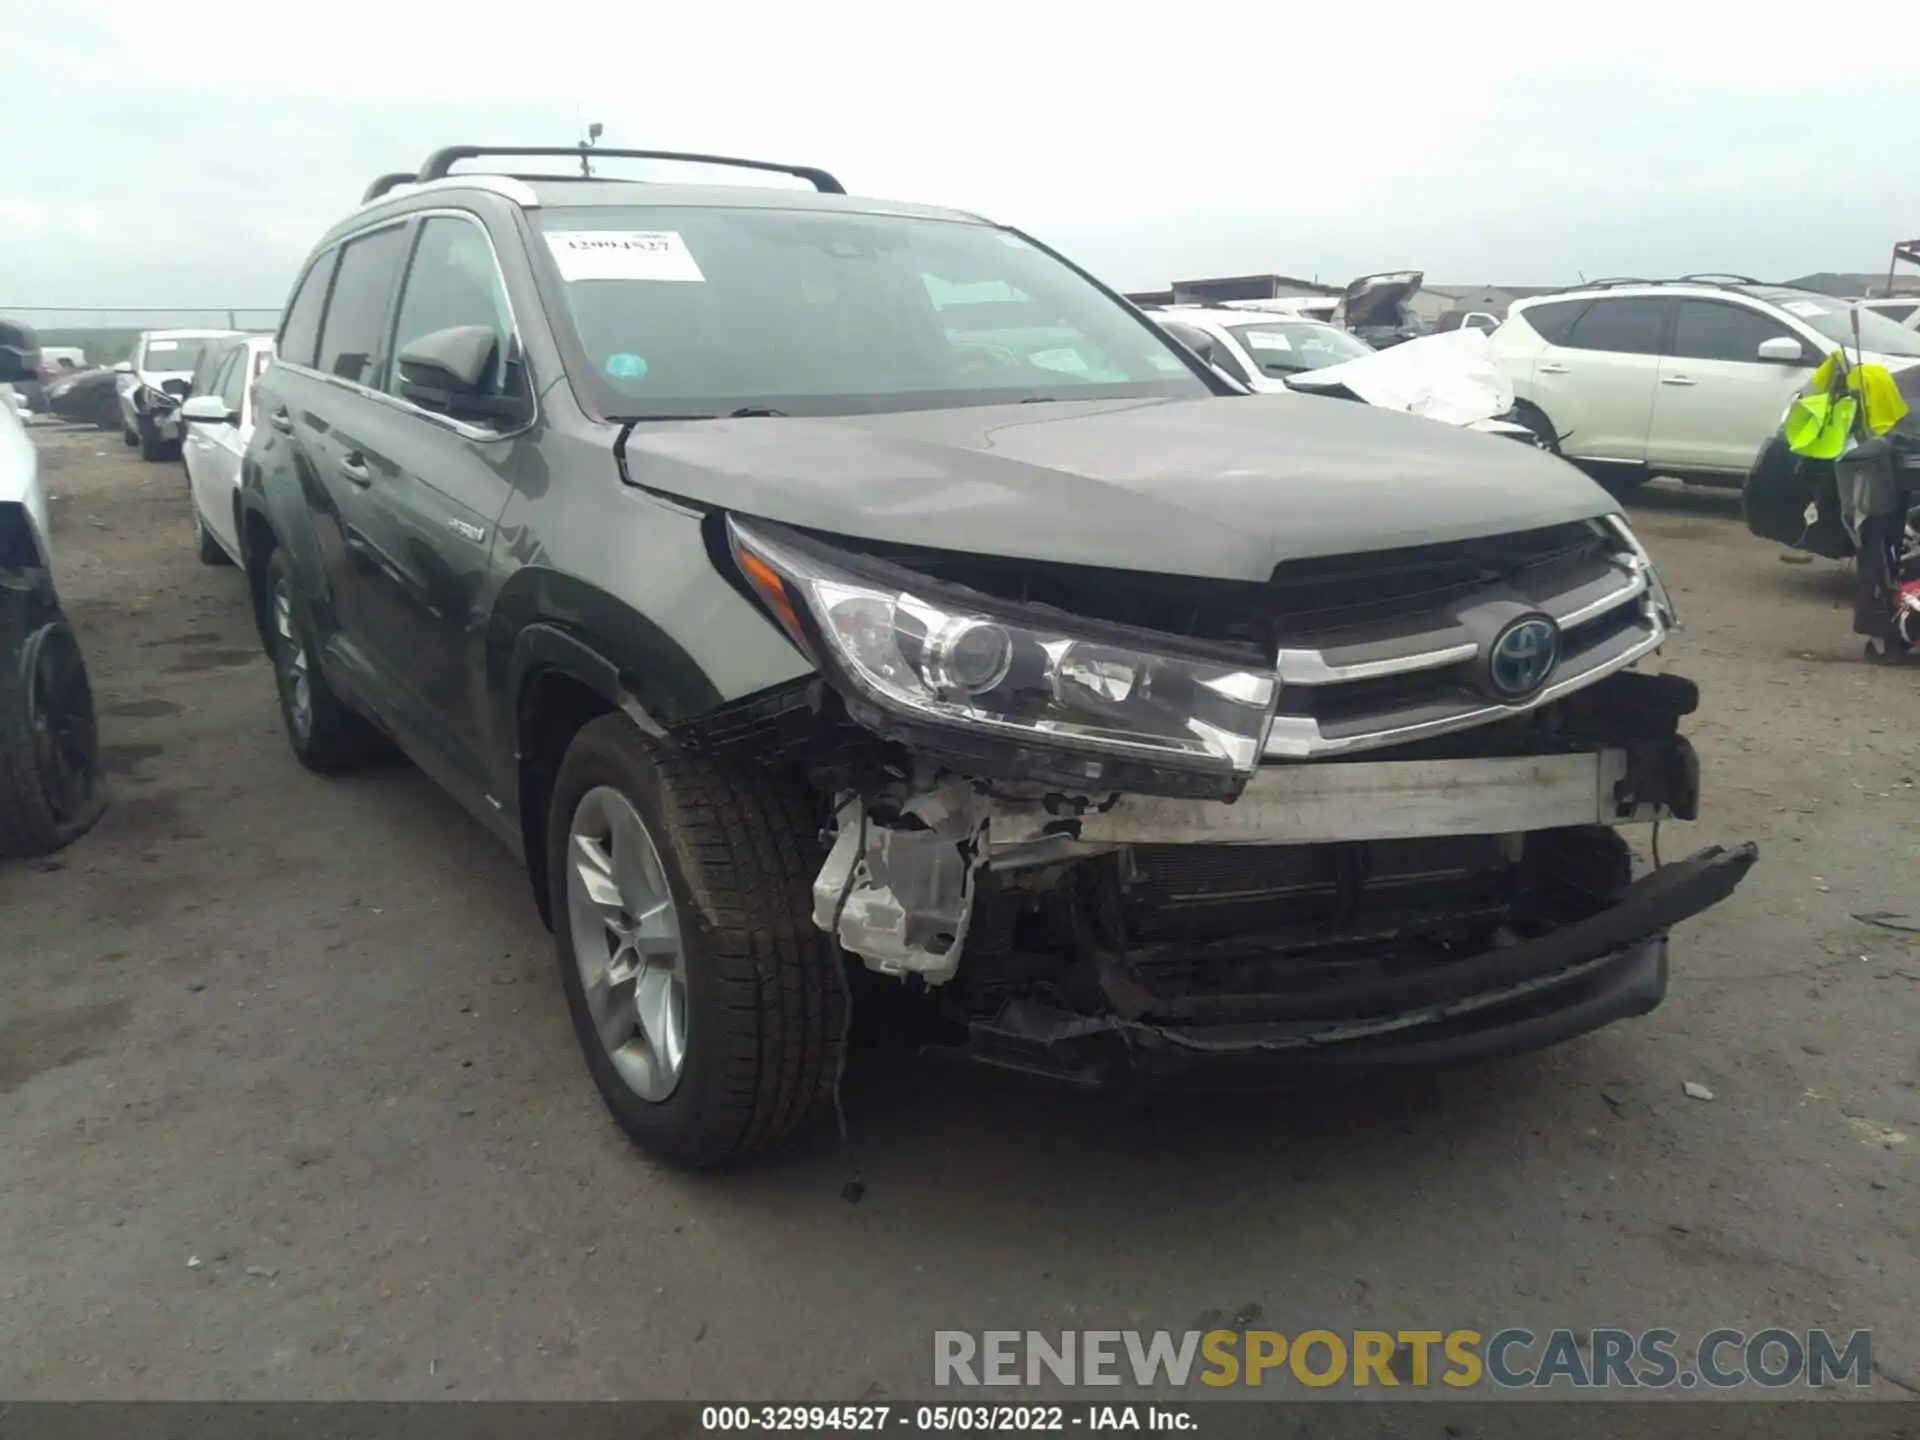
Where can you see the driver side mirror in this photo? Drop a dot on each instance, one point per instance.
(1782, 350)
(208, 410)
(450, 371)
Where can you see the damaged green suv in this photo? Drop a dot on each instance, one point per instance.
(835, 600)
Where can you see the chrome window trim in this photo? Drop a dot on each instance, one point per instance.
(505, 186)
(407, 407)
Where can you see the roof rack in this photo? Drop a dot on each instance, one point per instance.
(1703, 278)
(392, 181)
(439, 165)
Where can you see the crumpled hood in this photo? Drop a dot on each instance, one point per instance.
(1225, 487)
(1377, 299)
(1453, 377)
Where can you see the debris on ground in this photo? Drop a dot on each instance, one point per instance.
(1888, 920)
(1696, 1091)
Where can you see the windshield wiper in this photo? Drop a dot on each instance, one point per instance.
(745, 412)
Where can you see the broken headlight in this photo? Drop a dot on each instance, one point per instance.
(960, 659)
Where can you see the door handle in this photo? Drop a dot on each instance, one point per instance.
(1675, 380)
(355, 469)
(282, 421)
(1548, 367)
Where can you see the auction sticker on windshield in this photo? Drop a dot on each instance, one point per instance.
(1268, 340)
(622, 255)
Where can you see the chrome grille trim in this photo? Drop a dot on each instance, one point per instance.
(1445, 642)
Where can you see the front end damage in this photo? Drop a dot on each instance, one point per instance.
(1413, 867)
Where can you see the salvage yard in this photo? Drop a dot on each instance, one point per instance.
(290, 1105)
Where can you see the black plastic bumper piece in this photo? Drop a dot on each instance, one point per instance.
(1610, 966)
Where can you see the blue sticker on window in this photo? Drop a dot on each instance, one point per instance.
(625, 366)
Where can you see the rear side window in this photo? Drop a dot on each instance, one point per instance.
(357, 311)
(300, 334)
(1631, 325)
(1714, 330)
(1553, 319)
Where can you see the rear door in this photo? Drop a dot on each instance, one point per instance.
(435, 485)
(1596, 384)
(1717, 400)
(323, 406)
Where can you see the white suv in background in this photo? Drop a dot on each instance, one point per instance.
(1687, 378)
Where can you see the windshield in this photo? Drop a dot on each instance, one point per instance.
(700, 312)
(1286, 347)
(174, 354)
(1834, 320)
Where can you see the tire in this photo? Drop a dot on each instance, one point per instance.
(129, 438)
(1535, 420)
(763, 998)
(205, 547)
(153, 449)
(327, 737)
(52, 788)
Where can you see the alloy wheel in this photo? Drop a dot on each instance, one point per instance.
(295, 682)
(626, 941)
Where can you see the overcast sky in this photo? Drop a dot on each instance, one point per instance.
(188, 154)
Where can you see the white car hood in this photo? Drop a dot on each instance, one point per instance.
(20, 480)
(1453, 377)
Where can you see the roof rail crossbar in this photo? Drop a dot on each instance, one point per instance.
(385, 183)
(440, 163)
(1718, 277)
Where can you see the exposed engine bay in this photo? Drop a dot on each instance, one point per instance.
(1330, 907)
(1401, 832)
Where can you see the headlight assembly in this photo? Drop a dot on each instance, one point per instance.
(962, 661)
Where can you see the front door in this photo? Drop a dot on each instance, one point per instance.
(227, 444)
(436, 485)
(204, 452)
(1717, 400)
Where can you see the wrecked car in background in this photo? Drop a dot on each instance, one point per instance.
(1453, 378)
(87, 397)
(1378, 308)
(158, 379)
(1080, 712)
(52, 787)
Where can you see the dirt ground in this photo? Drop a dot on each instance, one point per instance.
(289, 1105)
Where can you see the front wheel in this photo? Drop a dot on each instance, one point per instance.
(1535, 420)
(153, 448)
(710, 1008)
(52, 787)
(205, 547)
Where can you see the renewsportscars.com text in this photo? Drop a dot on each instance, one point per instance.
(1507, 1359)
